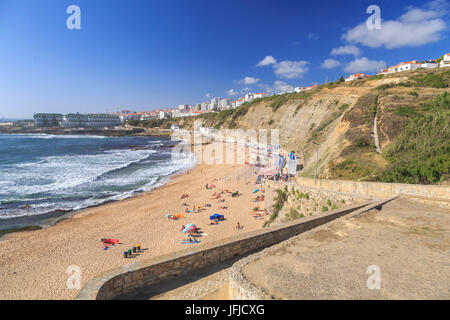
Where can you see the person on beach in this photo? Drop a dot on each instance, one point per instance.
(238, 226)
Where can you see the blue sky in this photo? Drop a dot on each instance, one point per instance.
(143, 54)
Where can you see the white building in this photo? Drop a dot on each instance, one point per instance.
(214, 104)
(164, 114)
(239, 102)
(48, 119)
(175, 113)
(100, 120)
(409, 66)
(356, 76)
(224, 104)
(446, 61)
(429, 64)
(205, 106)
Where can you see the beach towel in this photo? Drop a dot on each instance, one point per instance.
(255, 191)
(110, 241)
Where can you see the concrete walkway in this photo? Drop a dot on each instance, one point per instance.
(408, 241)
(375, 134)
(208, 283)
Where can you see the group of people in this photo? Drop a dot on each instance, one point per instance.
(259, 198)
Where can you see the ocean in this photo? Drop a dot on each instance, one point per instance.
(45, 176)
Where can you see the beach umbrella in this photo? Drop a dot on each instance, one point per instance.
(214, 216)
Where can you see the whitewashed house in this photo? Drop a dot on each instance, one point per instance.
(431, 64)
(446, 61)
(356, 76)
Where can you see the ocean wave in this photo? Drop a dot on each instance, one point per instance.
(62, 172)
(78, 195)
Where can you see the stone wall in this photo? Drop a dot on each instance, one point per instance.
(129, 278)
(428, 194)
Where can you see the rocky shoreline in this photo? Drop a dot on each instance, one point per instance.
(126, 131)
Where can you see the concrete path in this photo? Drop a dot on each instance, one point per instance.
(375, 134)
(208, 283)
(407, 241)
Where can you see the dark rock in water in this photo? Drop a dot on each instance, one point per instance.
(29, 228)
(134, 148)
(60, 211)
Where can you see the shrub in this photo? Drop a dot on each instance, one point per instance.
(420, 153)
(361, 142)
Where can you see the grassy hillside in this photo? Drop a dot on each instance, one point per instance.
(421, 152)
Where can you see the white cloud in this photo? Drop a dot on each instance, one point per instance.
(268, 60)
(208, 95)
(290, 69)
(285, 69)
(282, 86)
(313, 36)
(348, 49)
(248, 80)
(330, 64)
(414, 28)
(364, 65)
(233, 92)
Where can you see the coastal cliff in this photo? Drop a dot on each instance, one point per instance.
(392, 128)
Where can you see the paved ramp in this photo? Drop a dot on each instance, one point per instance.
(408, 241)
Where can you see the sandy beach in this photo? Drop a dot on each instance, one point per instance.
(33, 265)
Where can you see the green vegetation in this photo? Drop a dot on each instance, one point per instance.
(277, 101)
(303, 196)
(294, 214)
(327, 122)
(414, 94)
(155, 123)
(324, 209)
(361, 142)
(377, 77)
(280, 199)
(433, 80)
(352, 169)
(421, 152)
